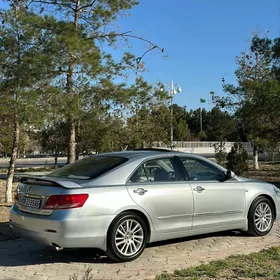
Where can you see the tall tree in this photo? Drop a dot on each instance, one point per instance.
(254, 69)
(181, 120)
(220, 126)
(24, 70)
(150, 120)
(194, 123)
(81, 26)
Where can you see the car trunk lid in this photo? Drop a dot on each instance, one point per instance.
(33, 192)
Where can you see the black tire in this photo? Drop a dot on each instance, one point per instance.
(113, 252)
(252, 227)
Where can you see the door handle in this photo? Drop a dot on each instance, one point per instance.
(199, 189)
(140, 191)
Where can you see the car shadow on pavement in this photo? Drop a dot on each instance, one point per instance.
(23, 253)
(18, 252)
(234, 233)
(6, 233)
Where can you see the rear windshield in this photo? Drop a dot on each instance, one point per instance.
(89, 168)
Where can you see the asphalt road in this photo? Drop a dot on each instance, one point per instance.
(32, 162)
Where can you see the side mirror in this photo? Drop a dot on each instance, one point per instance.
(229, 174)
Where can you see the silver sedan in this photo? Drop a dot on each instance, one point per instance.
(118, 202)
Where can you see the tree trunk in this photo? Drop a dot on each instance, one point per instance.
(71, 123)
(69, 85)
(77, 137)
(56, 155)
(9, 184)
(71, 141)
(256, 158)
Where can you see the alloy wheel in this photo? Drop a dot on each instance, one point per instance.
(263, 217)
(129, 237)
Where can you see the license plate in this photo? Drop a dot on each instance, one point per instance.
(31, 202)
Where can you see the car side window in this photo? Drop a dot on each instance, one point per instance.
(157, 170)
(139, 176)
(200, 170)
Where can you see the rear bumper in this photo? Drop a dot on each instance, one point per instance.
(82, 232)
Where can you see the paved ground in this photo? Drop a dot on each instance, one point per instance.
(21, 260)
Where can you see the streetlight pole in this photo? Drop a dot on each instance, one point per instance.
(172, 91)
(171, 114)
(200, 117)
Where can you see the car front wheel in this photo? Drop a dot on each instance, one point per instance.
(261, 217)
(127, 237)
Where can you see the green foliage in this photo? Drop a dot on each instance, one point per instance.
(6, 137)
(220, 153)
(82, 30)
(148, 126)
(220, 125)
(24, 48)
(53, 138)
(181, 120)
(103, 130)
(255, 99)
(183, 131)
(237, 159)
(194, 121)
(202, 135)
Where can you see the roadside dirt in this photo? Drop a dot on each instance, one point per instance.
(5, 230)
(269, 172)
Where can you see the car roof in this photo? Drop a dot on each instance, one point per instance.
(143, 153)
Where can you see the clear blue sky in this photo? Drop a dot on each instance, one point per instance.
(201, 39)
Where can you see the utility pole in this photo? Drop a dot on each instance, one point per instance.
(172, 91)
(171, 114)
(200, 117)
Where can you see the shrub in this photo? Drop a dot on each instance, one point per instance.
(202, 135)
(220, 153)
(237, 159)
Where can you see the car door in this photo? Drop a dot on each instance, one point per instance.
(156, 187)
(217, 202)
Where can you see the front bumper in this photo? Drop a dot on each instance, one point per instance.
(82, 232)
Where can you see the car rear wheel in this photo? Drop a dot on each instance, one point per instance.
(127, 237)
(261, 217)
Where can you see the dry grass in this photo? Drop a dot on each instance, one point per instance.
(4, 207)
(268, 171)
(261, 265)
(5, 231)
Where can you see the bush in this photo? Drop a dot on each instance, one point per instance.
(220, 153)
(202, 135)
(237, 159)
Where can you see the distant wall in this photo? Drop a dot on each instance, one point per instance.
(206, 148)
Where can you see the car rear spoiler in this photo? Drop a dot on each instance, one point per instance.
(33, 180)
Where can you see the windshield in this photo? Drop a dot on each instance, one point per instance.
(89, 168)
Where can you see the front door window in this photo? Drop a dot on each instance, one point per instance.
(199, 170)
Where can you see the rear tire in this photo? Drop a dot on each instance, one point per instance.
(127, 237)
(261, 217)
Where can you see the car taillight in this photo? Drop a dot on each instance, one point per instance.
(65, 201)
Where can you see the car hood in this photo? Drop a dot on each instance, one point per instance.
(245, 179)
